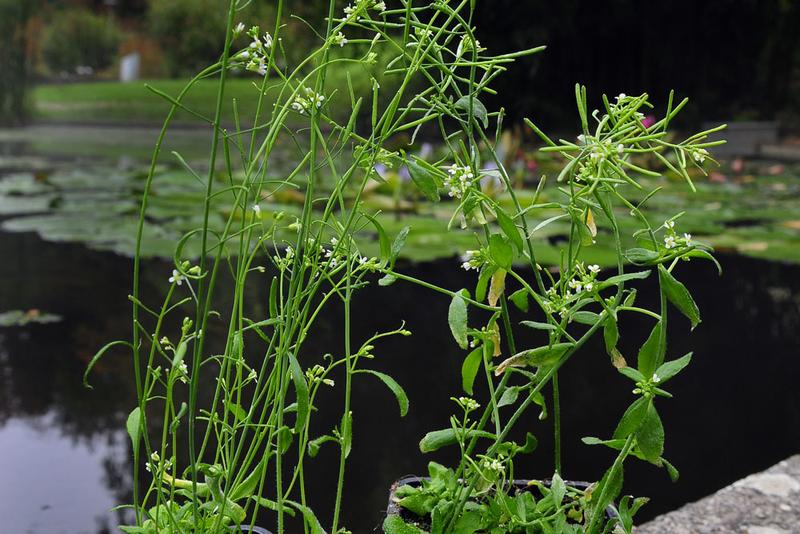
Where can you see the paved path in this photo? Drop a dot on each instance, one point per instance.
(763, 503)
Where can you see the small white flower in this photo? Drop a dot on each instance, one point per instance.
(253, 375)
(588, 286)
(621, 96)
(183, 371)
(582, 139)
(656, 379)
(687, 238)
(379, 6)
(257, 210)
(669, 224)
(669, 241)
(339, 39)
(176, 278)
(576, 285)
(594, 268)
(238, 29)
(620, 149)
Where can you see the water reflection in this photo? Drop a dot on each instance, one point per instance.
(736, 410)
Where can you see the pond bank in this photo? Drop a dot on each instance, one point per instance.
(762, 503)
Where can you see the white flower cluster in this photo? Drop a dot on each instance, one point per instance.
(255, 56)
(672, 239)
(493, 464)
(183, 373)
(350, 9)
(304, 104)
(339, 39)
(467, 404)
(314, 375)
(155, 459)
(584, 281)
(284, 262)
(699, 154)
(472, 259)
(459, 179)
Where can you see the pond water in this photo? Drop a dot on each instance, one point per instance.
(66, 460)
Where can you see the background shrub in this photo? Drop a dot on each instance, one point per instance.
(77, 37)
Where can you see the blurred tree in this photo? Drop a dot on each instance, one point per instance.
(13, 59)
(79, 38)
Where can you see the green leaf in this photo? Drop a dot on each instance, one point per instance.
(631, 373)
(436, 439)
(671, 470)
(398, 244)
(314, 444)
(457, 318)
(387, 280)
(383, 238)
(508, 227)
(469, 523)
(509, 396)
(632, 418)
(483, 283)
(641, 256)
(669, 369)
(610, 334)
(134, 427)
(678, 295)
(478, 109)
(469, 369)
(618, 279)
(248, 485)
(538, 326)
(311, 520)
(651, 352)
(501, 252)
(612, 483)
(347, 433)
(393, 524)
(394, 387)
(698, 253)
(301, 390)
(617, 444)
(97, 357)
(520, 299)
(425, 179)
(650, 435)
(557, 489)
(238, 412)
(272, 505)
(585, 317)
(538, 357)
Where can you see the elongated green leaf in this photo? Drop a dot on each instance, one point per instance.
(703, 254)
(394, 387)
(678, 295)
(478, 109)
(640, 256)
(650, 435)
(134, 427)
(435, 440)
(538, 357)
(398, 244)
(538, 326)
(425, 180)
(520, 299)
(311, 520)
(631, 373)
(469, 369)
(501, 252)
(346, 429)
(248, 486)
(509, 228)
(632, 418)
(99, 355)
(669, 369)
(618, 279)
(585, 317)
(616, 444)
(651, 352)
(238, 412)
(301, 390)
(483, 282)
(558, 489)
(457, 318)
(509, 396)
(314, 444)
(272, 505)
(383, 238)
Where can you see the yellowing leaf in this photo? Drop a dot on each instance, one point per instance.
(497, 286)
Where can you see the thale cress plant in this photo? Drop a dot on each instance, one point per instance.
(222, 444)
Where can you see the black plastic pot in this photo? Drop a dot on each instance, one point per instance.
(521, 485)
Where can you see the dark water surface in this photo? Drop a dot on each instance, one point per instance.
(64, 456)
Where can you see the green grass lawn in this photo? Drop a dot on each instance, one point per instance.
(117, 101)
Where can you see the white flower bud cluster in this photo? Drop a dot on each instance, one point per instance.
(256, 55)
(304, 104)
(458, 181)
